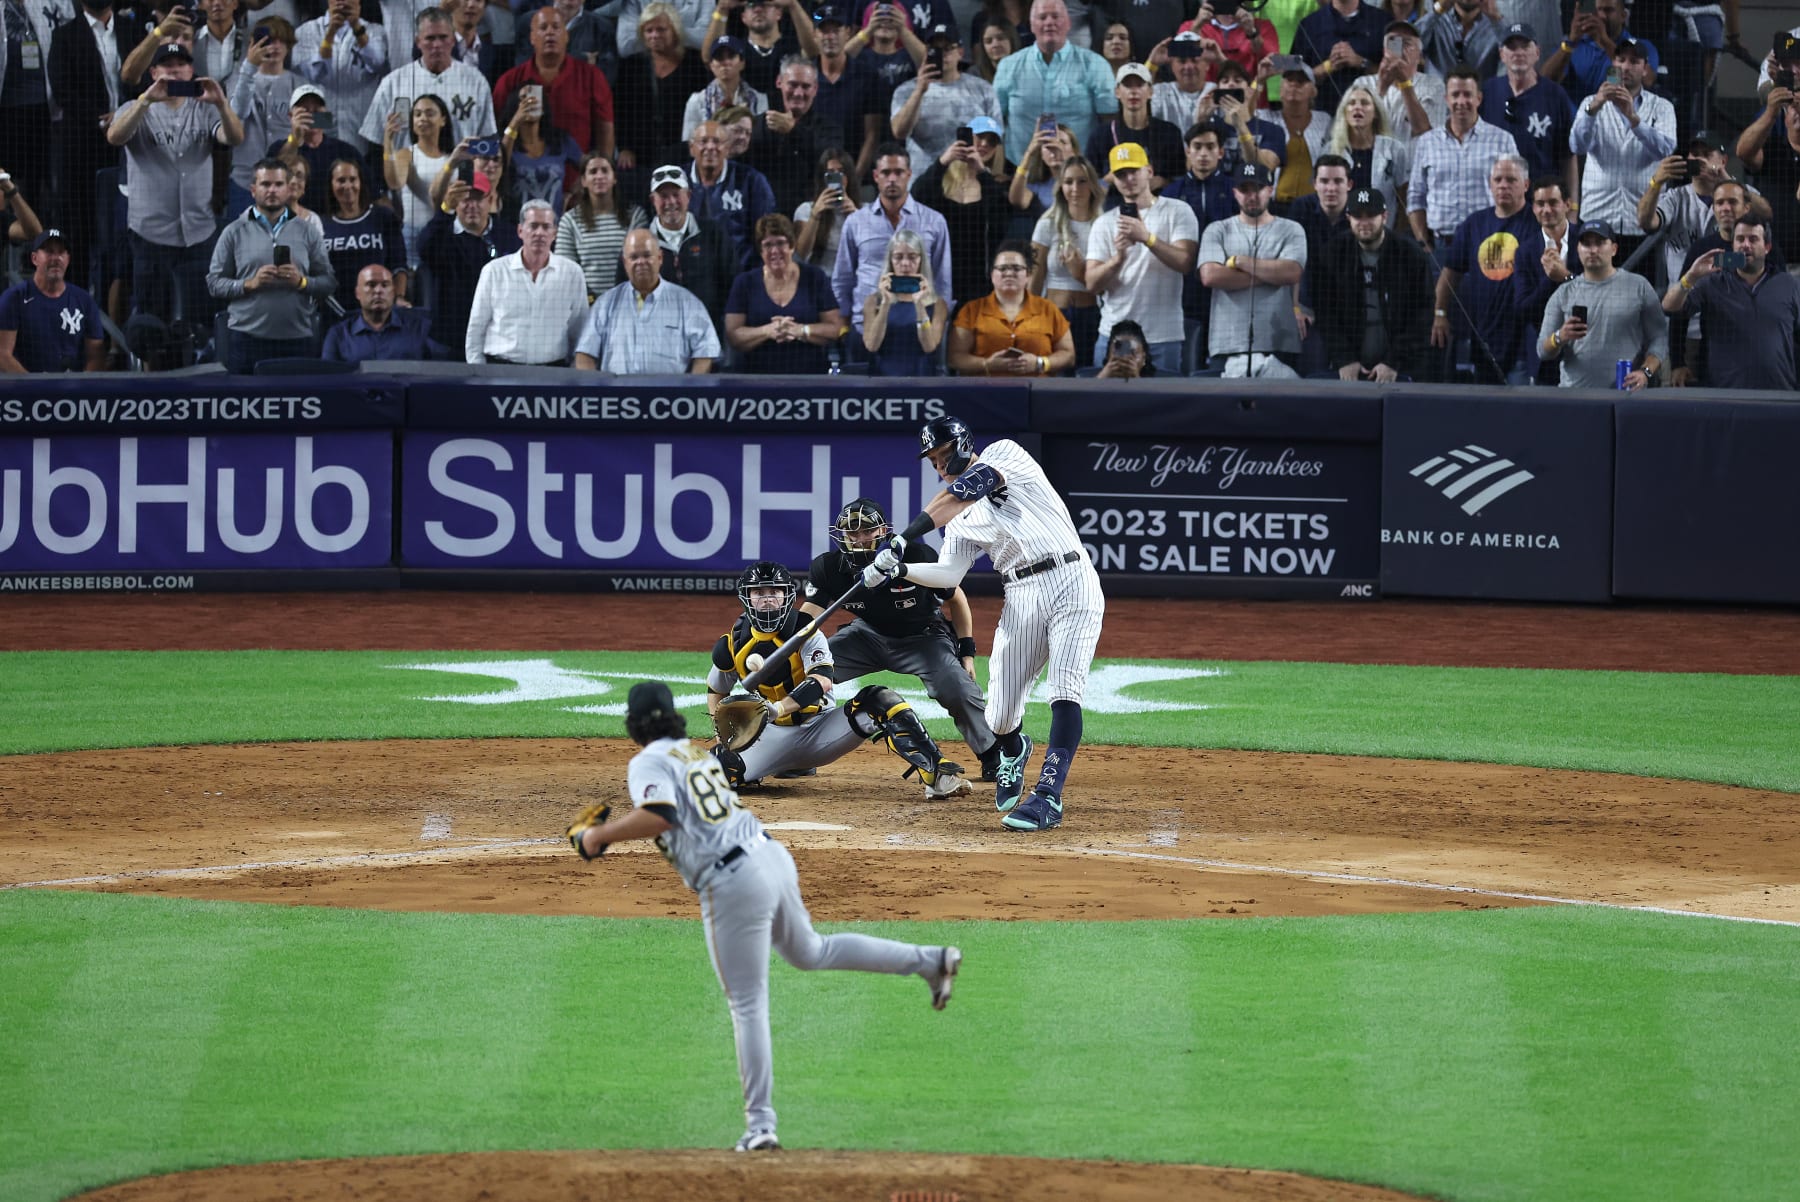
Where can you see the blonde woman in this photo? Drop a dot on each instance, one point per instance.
(1360, 133)
(1059, 245)
(1038, 178)
(904, 318)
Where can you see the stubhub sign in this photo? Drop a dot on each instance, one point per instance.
(582, 500)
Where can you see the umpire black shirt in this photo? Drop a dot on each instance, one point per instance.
(898, 609)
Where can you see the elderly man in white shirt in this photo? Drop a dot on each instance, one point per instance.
(1624, 131)
(646, 325)
(529, 307)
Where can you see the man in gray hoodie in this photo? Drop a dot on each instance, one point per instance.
(1602, 316)
(273, 268)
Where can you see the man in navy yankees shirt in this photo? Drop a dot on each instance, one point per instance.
(47, 323)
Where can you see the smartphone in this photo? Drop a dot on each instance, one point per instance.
(1283, 63)
(1585, 6)
(965, 136)
(486, 147)
(1579, 313)
(934, 57)
(324, 121)
(1695, 167)
(1396, 45)
(1236, 94)
(834, 179)
(261, 32)
(531, 90)
(283, 256)
(1612, 75)
(905, 285)
(465, 171)
(184, 87)
(1731, 260)
(1127, 209)
(1783, 78)
(1047, 124)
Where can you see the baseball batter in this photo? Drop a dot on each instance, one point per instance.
(749, 891)
(804, 729)
(1001, 503)
(901, 626)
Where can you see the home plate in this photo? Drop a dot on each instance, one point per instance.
(804, 826)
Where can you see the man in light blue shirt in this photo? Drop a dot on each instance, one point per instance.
(1051, 76)
(862, 247)
(646, 326)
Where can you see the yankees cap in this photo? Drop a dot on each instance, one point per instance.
(1597, 229)
(168, 52)
(49, 235)
(1187, 45)
(1251, 175)
(649, 699)
(1518, 29)
(1366, 202)
(305, 90)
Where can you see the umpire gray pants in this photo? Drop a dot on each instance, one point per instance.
(858, 649)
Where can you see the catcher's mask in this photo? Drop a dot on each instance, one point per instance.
(767, 576)
(859, 531)
(949, 431)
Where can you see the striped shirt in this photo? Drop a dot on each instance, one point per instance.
(596, 249)
(526, 320)
(1450, 177)
(1029, 525)
(1621, 157)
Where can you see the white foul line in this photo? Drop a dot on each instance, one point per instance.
(493, 845)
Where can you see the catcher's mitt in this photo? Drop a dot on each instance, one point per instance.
(739, 720)
(592, 816)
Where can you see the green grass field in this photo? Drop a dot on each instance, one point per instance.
(1564, 1053)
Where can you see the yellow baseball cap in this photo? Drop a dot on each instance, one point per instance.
(1127, 154)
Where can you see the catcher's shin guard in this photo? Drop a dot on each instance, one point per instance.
(893, 721)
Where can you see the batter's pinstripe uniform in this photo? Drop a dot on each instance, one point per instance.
(1001, 503)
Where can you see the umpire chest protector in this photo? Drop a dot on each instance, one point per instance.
(898, 608)
(743, 640)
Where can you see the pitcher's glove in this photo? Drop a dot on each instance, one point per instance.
(592, 816)
(739, 720)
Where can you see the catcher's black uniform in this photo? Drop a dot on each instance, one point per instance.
(900, 627)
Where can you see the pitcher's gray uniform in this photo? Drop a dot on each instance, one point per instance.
(749, 895)
(1001, 503)
(807, 730)
(901, 626)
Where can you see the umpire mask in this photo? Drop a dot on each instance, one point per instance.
(859, 531)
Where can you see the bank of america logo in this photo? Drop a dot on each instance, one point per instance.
(1456, 472)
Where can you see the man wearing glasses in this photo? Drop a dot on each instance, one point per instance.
(1535, 111)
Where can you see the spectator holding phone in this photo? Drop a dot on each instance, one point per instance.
(168, 134)
(570, 90)
(1583, 60)
(592, 229)
(1059, 255)
(312, 137)
(467, 101)
(771, 31)
(1411, 90)
(929, 108)
(1231, 107)
(781, 317)
(1133, 123)
(410, 169)
(345, 57)
(1137, 256)
(170, 23)
(1127, 354)
(1602, 316)
(1679, 198)
(1770, 149)
(863, 248)
(456, 245)
(1010, 332)
(1340, 41)
(821, 220)
(1036, 181)
(963, 186)
(1241, 37)
(1624, 130)
(542, 160)
(262, 93)
(274, 271)
(904, 319)
(1187, 56)
(1750, 313)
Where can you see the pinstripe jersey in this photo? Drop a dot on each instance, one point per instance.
(1028, 524)
(681, 782)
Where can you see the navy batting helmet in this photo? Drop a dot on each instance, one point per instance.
(946, 431)
(767, 574)
(859, 531)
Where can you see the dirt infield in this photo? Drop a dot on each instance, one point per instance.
(472, 826)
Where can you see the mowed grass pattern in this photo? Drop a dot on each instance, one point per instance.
(1566, 1053)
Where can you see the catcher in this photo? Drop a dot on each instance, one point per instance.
(749, 891)
(790, 723)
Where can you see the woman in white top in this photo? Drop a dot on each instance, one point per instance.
(821, 220)
(1360, 133)
(411, 170)
(1059, 262)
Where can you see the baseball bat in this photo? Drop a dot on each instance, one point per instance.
(773, 662)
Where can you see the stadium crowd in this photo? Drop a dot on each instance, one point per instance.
(1500, 191)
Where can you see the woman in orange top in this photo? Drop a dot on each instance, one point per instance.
(1010, 332)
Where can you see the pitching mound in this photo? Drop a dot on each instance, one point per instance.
(690, 1176)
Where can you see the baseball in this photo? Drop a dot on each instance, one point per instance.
(753, 662)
